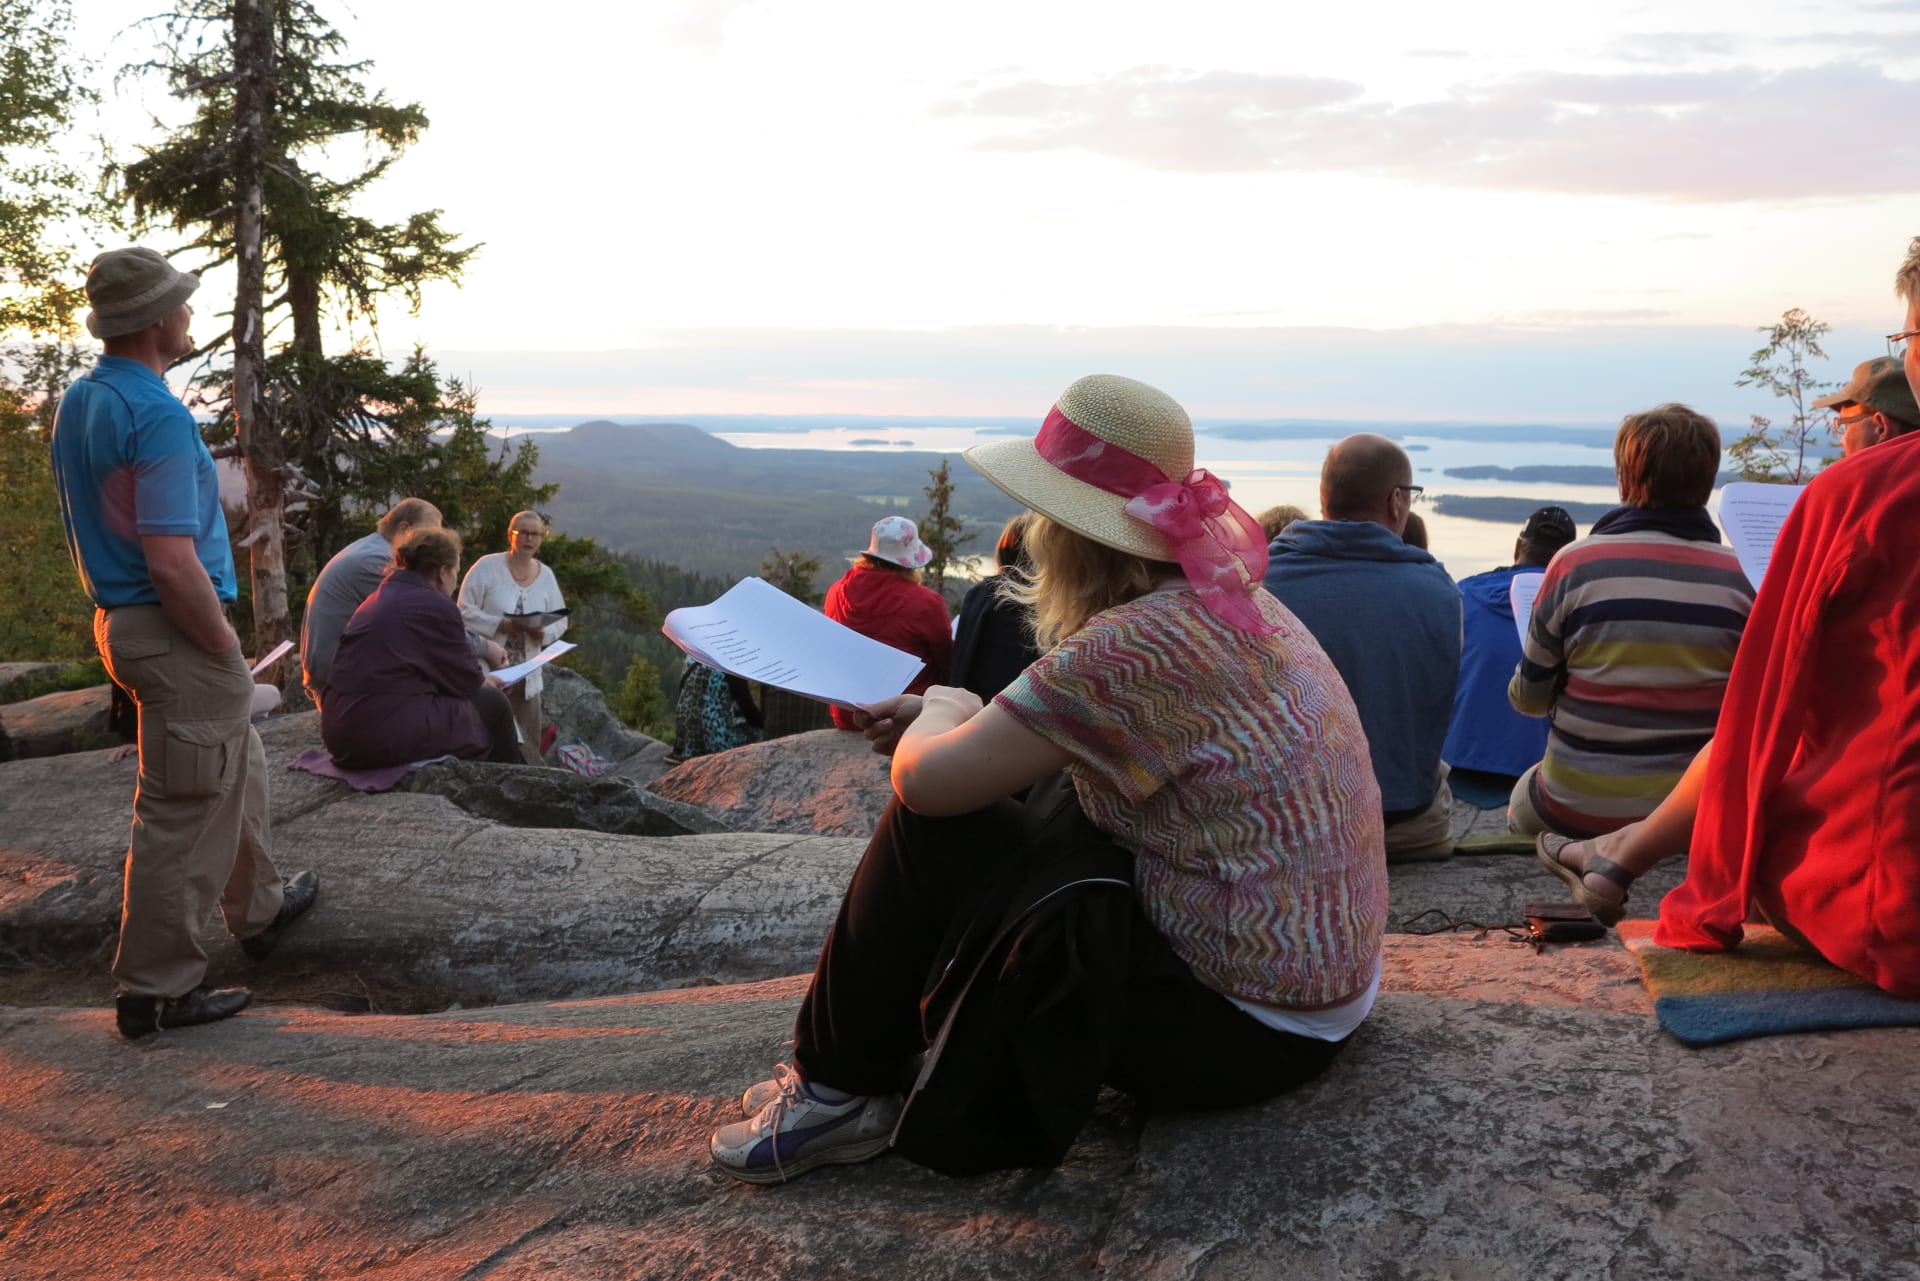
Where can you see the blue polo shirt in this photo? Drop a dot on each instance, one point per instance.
(128, 461)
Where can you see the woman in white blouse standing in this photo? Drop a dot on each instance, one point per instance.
(510, 583)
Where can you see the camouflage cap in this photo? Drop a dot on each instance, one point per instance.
(1881, 385)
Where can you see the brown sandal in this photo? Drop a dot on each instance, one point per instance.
(1548, 848)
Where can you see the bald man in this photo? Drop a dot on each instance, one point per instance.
(1389, 617)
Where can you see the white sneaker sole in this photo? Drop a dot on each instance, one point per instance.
(839, 1154)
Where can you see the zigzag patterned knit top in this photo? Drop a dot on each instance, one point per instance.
(1234, 769)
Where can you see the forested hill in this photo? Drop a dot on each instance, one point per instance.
(671, 492)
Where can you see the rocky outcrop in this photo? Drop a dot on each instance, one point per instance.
(423, 903)
(500, 883)
(579, 709)
(523, 796)
(827, 782)
(14, 676)
(56, 724)
(1500, 1116)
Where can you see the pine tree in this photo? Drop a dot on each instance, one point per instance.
(942, 532)
(329, 420)
(42, 87)
(1781, 368)
(794, 573)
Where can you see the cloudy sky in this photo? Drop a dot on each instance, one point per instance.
(1499, 211)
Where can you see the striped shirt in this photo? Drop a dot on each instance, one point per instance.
(1632, 639)
(1234, 769)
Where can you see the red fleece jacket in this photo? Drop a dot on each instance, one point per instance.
(896, 612)
(1811, 808)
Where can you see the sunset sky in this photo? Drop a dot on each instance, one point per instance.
(1501, 211)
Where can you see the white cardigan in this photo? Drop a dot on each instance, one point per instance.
(488, 592)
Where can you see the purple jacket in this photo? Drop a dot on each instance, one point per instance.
(403, 680)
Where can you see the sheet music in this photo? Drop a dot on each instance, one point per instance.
(1752, 514)
(273, 657)
(759, 633)
(1521, 592)
(520, 671)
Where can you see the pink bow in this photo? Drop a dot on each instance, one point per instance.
(1219, 546)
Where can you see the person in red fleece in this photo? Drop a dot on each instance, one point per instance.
(1804, 811)
(880, 596)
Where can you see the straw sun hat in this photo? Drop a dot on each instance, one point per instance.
(1142, 420)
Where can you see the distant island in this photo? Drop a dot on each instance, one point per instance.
(1575, 474)
(1513, 511)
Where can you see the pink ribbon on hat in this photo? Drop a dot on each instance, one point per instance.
(1220, 548)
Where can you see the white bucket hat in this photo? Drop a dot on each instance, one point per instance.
(896, 540)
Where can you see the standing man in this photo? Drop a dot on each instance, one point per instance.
(1389, 618)
(1875, 406)
(348, 579)
(1486, 733)
(140, 502)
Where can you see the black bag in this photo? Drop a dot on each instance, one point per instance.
(1026, 1007)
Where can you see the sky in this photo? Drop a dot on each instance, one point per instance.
(1489, 211)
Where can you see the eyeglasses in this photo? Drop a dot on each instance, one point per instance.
(1413, 492)
(1896, 342)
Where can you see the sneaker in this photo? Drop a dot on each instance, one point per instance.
(758, 1096)
(300, 893)
(793, 1132)
(139, 1016)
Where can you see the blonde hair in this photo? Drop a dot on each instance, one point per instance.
(1075, 578)
(1275, 519)
(1906, 281)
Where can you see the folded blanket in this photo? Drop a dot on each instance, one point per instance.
(1766, 986)
(316, 760)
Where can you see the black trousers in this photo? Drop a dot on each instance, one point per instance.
(497, 715)
(1184, 1045)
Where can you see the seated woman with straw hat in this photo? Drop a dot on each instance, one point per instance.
(1186, 721)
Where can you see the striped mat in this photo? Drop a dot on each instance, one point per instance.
(1766, 986)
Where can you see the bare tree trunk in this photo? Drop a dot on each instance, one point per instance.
(259, 440)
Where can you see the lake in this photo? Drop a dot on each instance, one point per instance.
(1262, 472)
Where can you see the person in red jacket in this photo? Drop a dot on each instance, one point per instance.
(880, 596)
(1804, 810)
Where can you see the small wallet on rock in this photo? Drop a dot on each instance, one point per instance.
(1562, 923)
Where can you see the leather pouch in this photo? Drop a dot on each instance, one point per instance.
(1562, 923)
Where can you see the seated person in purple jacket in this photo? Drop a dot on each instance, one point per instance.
(404, 686)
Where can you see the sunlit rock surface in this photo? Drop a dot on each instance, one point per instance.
(1502, 1115)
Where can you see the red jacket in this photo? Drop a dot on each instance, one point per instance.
(897, 612)
(1811, 807)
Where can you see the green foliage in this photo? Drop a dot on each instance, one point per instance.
(1780, 367)
(641, 701)
(319, 250)
(40, 195)
(942, 532)
(87, 673)
(795, 573)
(609, 643)
(43, 612)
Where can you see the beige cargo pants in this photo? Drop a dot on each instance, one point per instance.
(200, 825)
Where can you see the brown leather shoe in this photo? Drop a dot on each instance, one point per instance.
(144, 1015)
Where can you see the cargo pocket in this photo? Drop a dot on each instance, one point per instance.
(198, 757)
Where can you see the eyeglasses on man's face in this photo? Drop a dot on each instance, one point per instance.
(1412, 492)
(1897, 343)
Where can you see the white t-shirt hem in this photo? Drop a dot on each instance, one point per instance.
(1335, 1023)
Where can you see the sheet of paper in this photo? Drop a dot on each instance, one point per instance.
(273, 657)
(1752, 515)
(1520, 594)
(759, 633)
(519, 671)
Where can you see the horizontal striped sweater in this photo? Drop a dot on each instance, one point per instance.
(1234, 769)
(1632, 638)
